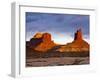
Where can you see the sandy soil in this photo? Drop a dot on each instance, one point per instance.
(54, 61)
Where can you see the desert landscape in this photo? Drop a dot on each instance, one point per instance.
(41, 50)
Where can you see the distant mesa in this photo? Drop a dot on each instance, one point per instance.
(77, 45)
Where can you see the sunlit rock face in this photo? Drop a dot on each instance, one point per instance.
(46, 37)
(77, 45)
(42, 42)
(38, 35)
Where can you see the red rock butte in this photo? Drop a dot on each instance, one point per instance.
(77, 45)
(42, 42)
(78, 35)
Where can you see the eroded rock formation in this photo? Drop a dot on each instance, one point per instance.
(77, 45)
(42, 42)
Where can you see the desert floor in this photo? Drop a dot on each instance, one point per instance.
(56, 61)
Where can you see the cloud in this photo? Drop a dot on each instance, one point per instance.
(61, 26)
(62, 38)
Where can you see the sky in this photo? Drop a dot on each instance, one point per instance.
(61, 26)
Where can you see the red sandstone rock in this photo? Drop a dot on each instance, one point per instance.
(46, 37)
(38, 35)
(78, 45)
(78, 35)
(42, 42)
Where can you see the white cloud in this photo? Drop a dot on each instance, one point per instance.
(62, 38)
